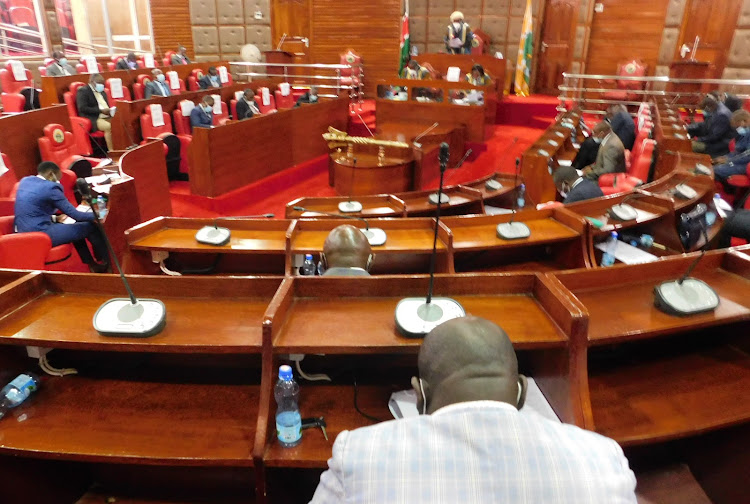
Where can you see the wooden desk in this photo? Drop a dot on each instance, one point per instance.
(463, 200)
(265, 145)
(493, 66)
(670, 133)
(147, 166)
(381, 205)
(371, 174)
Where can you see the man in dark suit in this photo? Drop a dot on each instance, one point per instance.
(346, 252)
(202, 115)
(622, 124)
(736, 225)
(713, 135)
(181, 57)
(158, 86)
(92, 104)
(573, 187)
(130, 62)
(246, 106)
(611, 155)
(210, 80)
(308, 97)
(39, 197)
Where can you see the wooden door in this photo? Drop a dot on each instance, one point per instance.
(714, 22)
(556, 51)
(292, 17)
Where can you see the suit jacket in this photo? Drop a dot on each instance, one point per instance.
(609, 159)
(87, 105)
(586, 155)
(199, 119)
(716, 130)
(475, 452)
(37, 199)
(180, 60)
(153, 89)
(205, 82)
(624, 127)
(305, 98)
(55, 70)
(244, 111)
(583, 190)
(122, 64)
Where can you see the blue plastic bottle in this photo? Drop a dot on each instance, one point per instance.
(308, 267)
(521, 196)
(608, 258)
(17, 391)
(288, 419)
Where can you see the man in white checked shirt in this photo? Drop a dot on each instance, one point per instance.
(472, 445)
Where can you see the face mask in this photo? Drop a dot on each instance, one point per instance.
(207, 109)
(706, 114)
(161, 78)
(742, 130)
(63, 61)
(99, 88)
(597, 140)
(456, 26)
(564, 191)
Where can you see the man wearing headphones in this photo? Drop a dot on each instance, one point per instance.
(472, 442)
(346, 252)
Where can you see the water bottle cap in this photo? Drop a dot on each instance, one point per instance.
(523, 186)
(308, 257)
(285, 373)
(614, 234)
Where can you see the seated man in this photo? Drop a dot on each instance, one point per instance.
(246, 106)
(611, 155)
(586, 155)
(60, 67)
(712, 136)
(130, 62)
(477, 77)
(181, 57)
(346, 252)
(413, 71)
(573, 187)
(310, 96)
(92, 104)
(158, 86)
(622, 124)
(210, 80)
(471, 443)
(736, 225)
(202, 116)
(735, 163)
(39, 197)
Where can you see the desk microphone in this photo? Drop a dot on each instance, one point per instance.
(220, 236)
(416, 143)
(350, 206)
(125, 317)
(622, 211)
(513, 230)
(416, 316)
(375, 236)
(687, 296)
(444, 198)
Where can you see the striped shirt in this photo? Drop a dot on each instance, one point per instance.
(475, 452)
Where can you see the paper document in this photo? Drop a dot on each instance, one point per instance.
(565, 162)
(112, 111)
(97, 179)
(81, 208)
(103, 162)
(628, 254)
(403, 404)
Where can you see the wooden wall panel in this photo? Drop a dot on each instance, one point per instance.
(626, 30)
(371, 29)
(171, 23)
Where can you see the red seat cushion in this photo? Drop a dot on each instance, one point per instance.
(59, 254)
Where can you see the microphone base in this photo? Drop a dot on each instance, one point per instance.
(415, 318)
(120, 318)
(684, 191)
(433, 198)
(493, 185)
(375, 236)
(212, 235)
(623, 212)
(513, 231)
(350, 206)
(691, 297)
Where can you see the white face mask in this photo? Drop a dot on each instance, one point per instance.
(598, 140)
(456, 26)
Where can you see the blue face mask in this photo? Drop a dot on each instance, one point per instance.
(742, 131)
(63, 61)
(598, 140)
(161, 78)
(99, 88)
(208, 109)
(706, 114)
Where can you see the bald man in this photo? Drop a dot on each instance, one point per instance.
(611, 155)
(346, 252)
(472, 444)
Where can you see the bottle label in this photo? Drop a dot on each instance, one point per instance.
(289, 434)
(25, 384)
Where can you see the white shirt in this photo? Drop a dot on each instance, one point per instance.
(481, 452)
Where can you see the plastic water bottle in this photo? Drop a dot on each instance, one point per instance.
(521, 196)
(308, 267)
(608, 258)
(101, 206)
(17, 392)
(288, 419)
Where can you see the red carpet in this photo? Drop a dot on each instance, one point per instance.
(528, 118)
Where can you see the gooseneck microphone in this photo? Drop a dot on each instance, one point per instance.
(444, 198)
(375, 236)
(350, 206)
(513, 230)
(220, 236)
(124, 317)
(416, 316)
(418, 137)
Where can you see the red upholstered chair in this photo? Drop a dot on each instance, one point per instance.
(8, 180)
(30, 250)
(23, 17)
(139, 86)
(175, 91)
(284, 102)
(81, 126)
(43, 69)
(60, 147)
(637, 174)
(166, 134)
(167, 60)
(82, 68)
(222, 118)
(267, 108)
(193, 78)
(623, 88)
(181, 116)
(108, 92)
(12, 88)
